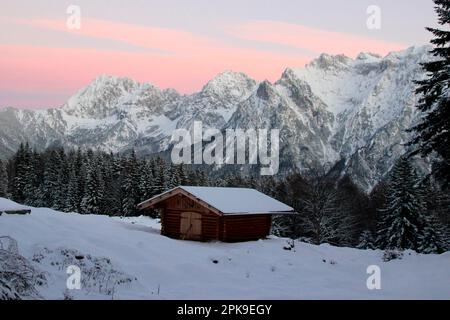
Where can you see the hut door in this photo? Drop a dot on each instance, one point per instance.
(191, 226)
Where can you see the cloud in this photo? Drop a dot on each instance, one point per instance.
(171, 41)
(312, 39)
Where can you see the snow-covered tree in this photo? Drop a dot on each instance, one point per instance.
(433, 132)
(201, 178)
(403, 218)
(130, 185)
(91, 201)
(24, 181)
(3, 180)
(50, 195)
(162, 176)
(175, 179)
(184, 178)
(75, 183)
(146, 180)
(432, 238)
(73, 196)
(63, 177)
(114, 185)
(366, 240)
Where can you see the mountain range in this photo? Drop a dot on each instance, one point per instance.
(335, 109)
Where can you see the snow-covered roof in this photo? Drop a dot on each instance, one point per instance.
(229, 201)
(8, 205)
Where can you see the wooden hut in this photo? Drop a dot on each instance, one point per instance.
(207, 213)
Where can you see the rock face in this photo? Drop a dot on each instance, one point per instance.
(333, 108)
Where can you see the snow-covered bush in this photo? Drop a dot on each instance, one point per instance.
(18, 277)
(99, 276)
(392, 255)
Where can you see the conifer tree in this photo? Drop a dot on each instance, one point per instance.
(146, 181)
(73, 196)
(3, 180)
(433, 132)
(403, 217)
(175, 179)
(184, 178)
(50, 197)
(162, 176)
(432, 238)
(91, 201)
(22, 181)
(130, 185)
(366, 240)
(115, 185)
(63, 176)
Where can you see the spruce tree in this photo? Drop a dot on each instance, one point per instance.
(62, 183)
(146, 181)
(403, 217)
(130, 185)
(366, 240)
(174, 177)
(115, 188)
(23, 187)
(162, 176)
(106, 177)
(50, 196)
(91, 201)
(3, 180)
(72, 203)
(20, 167)
(432, 239)
(184, 178)
(433, 132)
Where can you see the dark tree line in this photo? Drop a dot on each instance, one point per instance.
(89, 182)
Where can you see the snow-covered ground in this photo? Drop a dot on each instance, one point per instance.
(129, 259)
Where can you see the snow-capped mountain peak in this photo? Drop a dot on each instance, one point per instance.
(100, 98)
(368, 56)
(333, 107)
(236, 84)
(330, 62)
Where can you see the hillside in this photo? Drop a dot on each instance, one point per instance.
(129, 259)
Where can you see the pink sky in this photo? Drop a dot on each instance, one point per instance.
(42, 62)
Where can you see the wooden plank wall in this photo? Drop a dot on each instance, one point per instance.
(171, 217)
(245, 228)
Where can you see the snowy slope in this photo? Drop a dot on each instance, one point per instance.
(132, 250)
